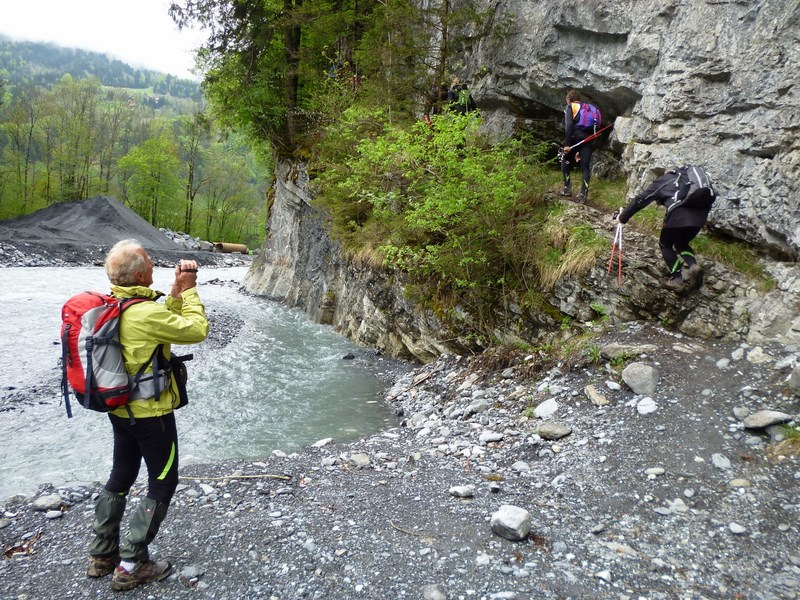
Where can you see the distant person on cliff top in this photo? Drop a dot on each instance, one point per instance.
(687, 194)
(581, 120)
(148, 431)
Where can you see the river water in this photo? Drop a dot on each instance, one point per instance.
(280, 383)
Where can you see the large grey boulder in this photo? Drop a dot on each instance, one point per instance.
(641, 378)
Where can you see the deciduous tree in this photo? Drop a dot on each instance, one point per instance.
(151, 174)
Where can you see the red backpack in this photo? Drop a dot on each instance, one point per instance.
(91, 354)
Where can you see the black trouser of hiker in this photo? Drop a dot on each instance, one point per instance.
(585, 152)
(674, 244)
(154, 439)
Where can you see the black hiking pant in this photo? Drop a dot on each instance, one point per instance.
(674, 244)
(584, 151)
(154, 439)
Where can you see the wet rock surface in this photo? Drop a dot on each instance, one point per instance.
(683, 501)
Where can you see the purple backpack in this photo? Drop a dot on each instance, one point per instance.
(589, 116)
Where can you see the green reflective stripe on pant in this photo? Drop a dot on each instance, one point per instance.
(687, 253)
(676, 266)
(170, 461)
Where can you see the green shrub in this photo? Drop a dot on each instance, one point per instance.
(467, 221)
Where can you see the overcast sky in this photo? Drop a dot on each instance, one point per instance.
(138, 32)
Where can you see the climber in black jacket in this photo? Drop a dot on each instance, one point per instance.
(681, 225)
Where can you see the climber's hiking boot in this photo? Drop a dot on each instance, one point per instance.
(676, 284)
(694, 278)
(581, 198)
(144, 572)
(100, 566)
(567, 191)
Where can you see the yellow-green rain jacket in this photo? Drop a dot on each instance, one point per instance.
(145, 325)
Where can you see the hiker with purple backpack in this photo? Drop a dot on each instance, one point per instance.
(581, 120)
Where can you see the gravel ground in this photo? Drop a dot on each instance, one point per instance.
(669, 493)
(683, 501)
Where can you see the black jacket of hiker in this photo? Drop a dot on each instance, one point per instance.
(572, 133)
(662, 192)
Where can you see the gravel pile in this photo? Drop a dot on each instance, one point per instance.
(81, 233)
(503, 480)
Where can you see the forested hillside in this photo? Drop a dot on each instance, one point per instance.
(45, 64)
(75, 124)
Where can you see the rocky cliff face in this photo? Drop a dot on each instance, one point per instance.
(712, 82)
(303, 268)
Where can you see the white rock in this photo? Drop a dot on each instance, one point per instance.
(641, 378)
(605, 575)
(757, 356)
(511, 522)
(646, 406)
(483, 559)
(359, 460)
(737, 529)
(720, 461)
(546, 409)
(462, 491)
(766, 418)
(49, 502)
(678, 506)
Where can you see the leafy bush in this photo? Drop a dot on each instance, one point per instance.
(465, 220)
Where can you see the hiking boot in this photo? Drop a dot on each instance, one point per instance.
(567, 191)
(581, 198)
(694, 277)
(144, 572)
(676, 284)
(100, 566)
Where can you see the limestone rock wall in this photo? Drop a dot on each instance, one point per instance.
(302, 267)
(713, 82)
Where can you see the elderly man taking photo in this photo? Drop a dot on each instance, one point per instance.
(144, 428)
